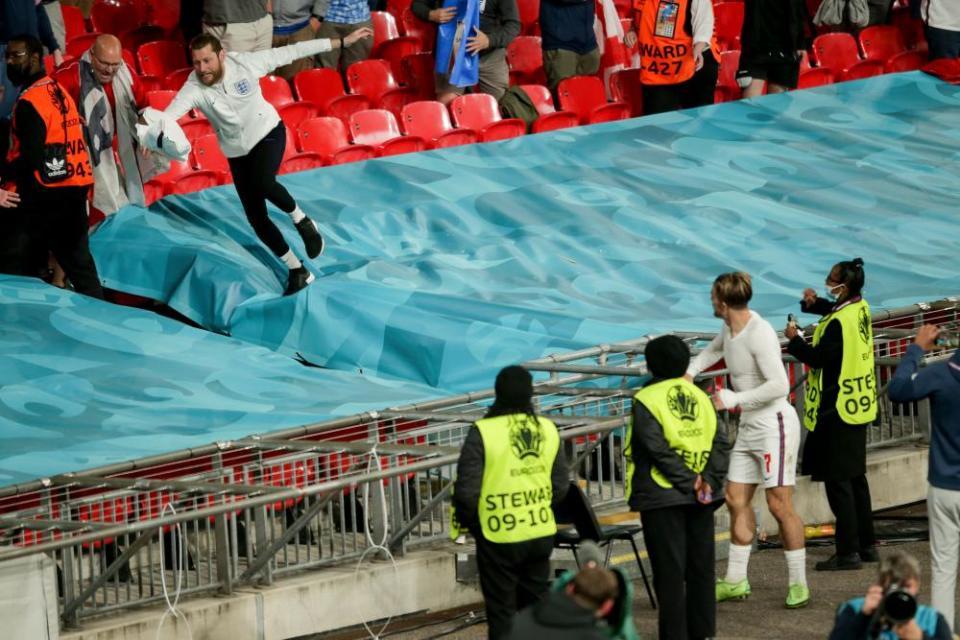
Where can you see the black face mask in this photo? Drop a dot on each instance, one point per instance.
(18, 74)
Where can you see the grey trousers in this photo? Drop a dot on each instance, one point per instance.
(943, 510)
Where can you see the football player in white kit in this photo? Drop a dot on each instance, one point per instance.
(768, 437)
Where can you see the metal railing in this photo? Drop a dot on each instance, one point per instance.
(257, 508)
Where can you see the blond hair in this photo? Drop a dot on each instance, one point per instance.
(733, 289)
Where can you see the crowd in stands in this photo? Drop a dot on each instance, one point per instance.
(378, 96)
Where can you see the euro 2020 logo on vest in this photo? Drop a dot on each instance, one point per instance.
(683, 404)
(526, 439)
(863, 325)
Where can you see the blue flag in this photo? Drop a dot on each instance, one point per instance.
(466, 66)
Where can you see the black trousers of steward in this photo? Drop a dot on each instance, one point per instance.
(50, 220)
(512, 577)
(680, 543)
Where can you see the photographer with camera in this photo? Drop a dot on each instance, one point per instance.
(940, 382)
(889, 611)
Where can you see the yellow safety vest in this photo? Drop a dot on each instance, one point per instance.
(857, 395)
(688, 420)
(516, 491)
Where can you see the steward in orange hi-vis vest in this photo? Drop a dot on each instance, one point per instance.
(65, 162)
(665, 39)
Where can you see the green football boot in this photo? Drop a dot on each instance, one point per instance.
(732, 590)
(798, 596)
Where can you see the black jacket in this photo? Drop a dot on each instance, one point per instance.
(650, 448)
(557, 617)
(773, 28)
(568, 25)
(834, 450)
(499, 20)
(466, 489)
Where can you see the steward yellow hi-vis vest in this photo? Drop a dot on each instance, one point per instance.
(857, 393)
(666, 41)
(688, 420)
(516, 490)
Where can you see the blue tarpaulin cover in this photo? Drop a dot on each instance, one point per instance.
(441, 267)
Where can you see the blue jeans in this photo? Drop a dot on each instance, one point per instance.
(943, 43)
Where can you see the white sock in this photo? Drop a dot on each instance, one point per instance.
(797, 566)
(737, 562)
(297, 215)
(291, 260)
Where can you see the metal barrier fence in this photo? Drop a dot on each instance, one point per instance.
(261, 507)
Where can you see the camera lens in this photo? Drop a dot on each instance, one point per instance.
(899, 606)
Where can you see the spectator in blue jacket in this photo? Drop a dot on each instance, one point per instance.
(19, 17)
(940, 383)
(568, 40)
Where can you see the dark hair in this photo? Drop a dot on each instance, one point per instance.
(514, 389)
(850, 273)
(667, 357)
(206, 40)
(30, 43)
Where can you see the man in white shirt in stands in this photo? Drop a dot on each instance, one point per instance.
(768, 437)
(225, 87)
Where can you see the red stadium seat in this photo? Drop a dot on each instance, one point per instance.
(529, 16)
(162, 57)
(378, 128)
(174, 80)
(290, 148)
(396, 9)
(727, 87)
(162, 14)
(68, 74)
(395, 50)
(804, 60)
(276, 90)
(479, 111)
(425, 31)
(585, 96)
(625, 87)
(905, 61)
(324, 89)
(374, 79)
(550, 119)
(193, 181)
(152, 83)
(73, 22)
(301, 162)
(160, 100)
(838, 51)
(115, 16)
(430, 120)
(912, 29)
(816, 77)
(208, 156)
(863, 69)
(135, 38)
(196, 128)
(525, 59)
(327, 137)
(384, 28)
(419, 75)
(296, 112)
(77, 46)
(881, 42)
(728, 22)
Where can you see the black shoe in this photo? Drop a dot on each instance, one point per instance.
(298, 279)
(847, 562)
(312, 240)
(869, 555)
